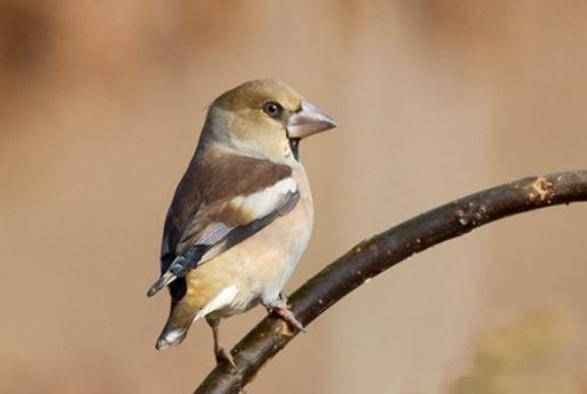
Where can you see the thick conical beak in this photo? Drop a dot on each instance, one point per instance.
(307, 121)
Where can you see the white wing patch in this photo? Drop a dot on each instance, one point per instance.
(224, 298)
(264, 202)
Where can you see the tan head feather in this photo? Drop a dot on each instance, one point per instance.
(241, 119)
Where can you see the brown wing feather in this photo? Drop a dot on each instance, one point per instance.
(212, 178)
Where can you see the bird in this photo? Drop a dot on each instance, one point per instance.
(242, 214)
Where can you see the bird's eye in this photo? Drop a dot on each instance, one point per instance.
(272, 109)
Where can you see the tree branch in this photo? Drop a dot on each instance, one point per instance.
(375, 255)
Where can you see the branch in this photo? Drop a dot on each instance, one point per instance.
(373, 256)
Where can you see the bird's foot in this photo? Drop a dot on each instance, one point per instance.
(281, 309)
(224, 356)
(289, 317)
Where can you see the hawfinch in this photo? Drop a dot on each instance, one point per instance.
(242, 214)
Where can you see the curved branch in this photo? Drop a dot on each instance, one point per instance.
(380, 252)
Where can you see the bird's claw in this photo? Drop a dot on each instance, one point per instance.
(289, 317)
(224, 356)
(281, 309)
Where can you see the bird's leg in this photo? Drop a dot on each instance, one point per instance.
(222, 355)
(280, 308)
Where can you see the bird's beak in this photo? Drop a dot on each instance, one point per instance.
(307, 121)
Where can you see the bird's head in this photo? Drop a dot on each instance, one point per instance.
(264, 118)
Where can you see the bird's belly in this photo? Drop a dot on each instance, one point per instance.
(258, 267)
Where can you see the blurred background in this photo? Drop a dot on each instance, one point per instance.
(100, 108)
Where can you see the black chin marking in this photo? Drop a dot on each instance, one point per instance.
(294, 145)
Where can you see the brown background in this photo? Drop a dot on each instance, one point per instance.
(100, 107)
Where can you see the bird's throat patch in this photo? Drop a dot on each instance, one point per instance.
(294, 145)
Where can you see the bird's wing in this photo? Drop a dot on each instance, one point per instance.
(218, 226)
(221, 220)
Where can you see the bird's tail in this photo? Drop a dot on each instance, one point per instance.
(177, 269)
(180, 319)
